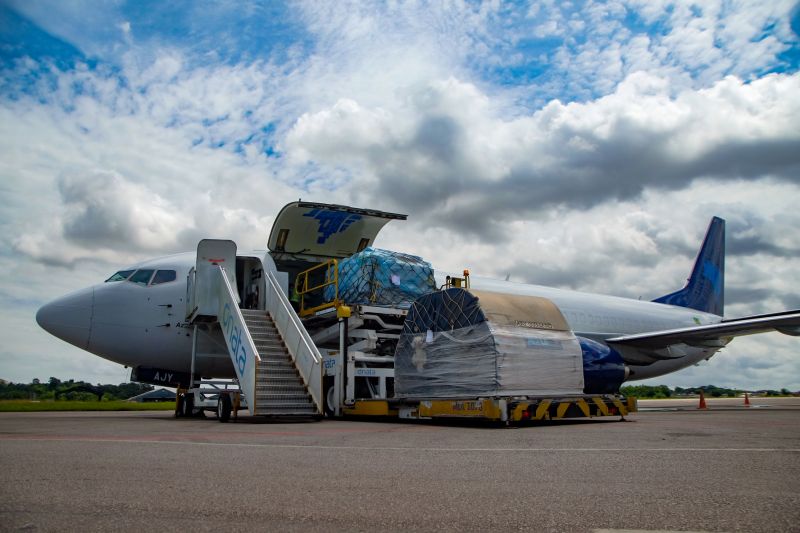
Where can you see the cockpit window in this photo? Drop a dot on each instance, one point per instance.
(122, 275)
(142, 276)
(163, 276)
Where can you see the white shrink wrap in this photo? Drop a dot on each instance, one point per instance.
(461, 344)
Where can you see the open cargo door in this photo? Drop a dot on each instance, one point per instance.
(326, 230)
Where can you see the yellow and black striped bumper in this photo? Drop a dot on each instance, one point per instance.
(586, 407)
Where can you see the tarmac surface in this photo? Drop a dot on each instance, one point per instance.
(677, 468)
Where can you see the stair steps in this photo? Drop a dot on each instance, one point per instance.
(279, 390)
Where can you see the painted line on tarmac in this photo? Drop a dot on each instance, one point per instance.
(389, 448)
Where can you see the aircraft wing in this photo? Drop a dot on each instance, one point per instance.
(660, 345)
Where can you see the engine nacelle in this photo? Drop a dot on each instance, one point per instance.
(603, 368)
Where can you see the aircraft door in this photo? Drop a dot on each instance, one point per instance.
(210, 254)
(250, 276)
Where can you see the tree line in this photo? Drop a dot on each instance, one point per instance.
(71, 390)
(662, 391)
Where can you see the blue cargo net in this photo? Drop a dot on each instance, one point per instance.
(382, 277)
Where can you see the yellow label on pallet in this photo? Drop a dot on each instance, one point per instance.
(488, 409)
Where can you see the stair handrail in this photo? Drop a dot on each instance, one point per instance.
(238, 339)
(302, 349)
(191, 307)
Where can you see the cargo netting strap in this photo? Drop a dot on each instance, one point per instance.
(445, 310)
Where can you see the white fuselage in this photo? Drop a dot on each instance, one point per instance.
(145, 325)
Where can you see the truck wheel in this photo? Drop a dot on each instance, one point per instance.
(224, 407)
(330, 399)
(188, 405)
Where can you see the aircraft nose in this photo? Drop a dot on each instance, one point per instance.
(69, 318)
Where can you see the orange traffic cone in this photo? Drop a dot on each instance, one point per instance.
(702, 401)
(746, 400)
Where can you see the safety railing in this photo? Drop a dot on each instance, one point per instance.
(303, 290)
(459, 283)
(240, 344)
(302, 349)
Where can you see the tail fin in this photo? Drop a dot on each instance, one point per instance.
(705, 290)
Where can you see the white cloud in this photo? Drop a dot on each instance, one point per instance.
(103, 209)
(446, 153)
(125, 27)
(142, 164)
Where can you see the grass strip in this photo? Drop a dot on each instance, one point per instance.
(62, 405)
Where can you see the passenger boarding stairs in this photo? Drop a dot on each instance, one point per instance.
(279, 389)
(278, 366)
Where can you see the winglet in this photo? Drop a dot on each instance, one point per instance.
(705, 290)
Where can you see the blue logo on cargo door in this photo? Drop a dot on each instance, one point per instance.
(331, 222)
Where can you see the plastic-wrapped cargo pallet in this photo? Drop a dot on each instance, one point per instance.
(382, 277)
(459, 343)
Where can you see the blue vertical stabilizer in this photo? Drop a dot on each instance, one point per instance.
(705, 290)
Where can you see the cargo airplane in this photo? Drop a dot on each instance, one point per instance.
(138, 316)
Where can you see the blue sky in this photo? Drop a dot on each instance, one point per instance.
(579, 144)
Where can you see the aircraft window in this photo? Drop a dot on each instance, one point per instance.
(163, 276)
(122, 275)
(142, 276)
